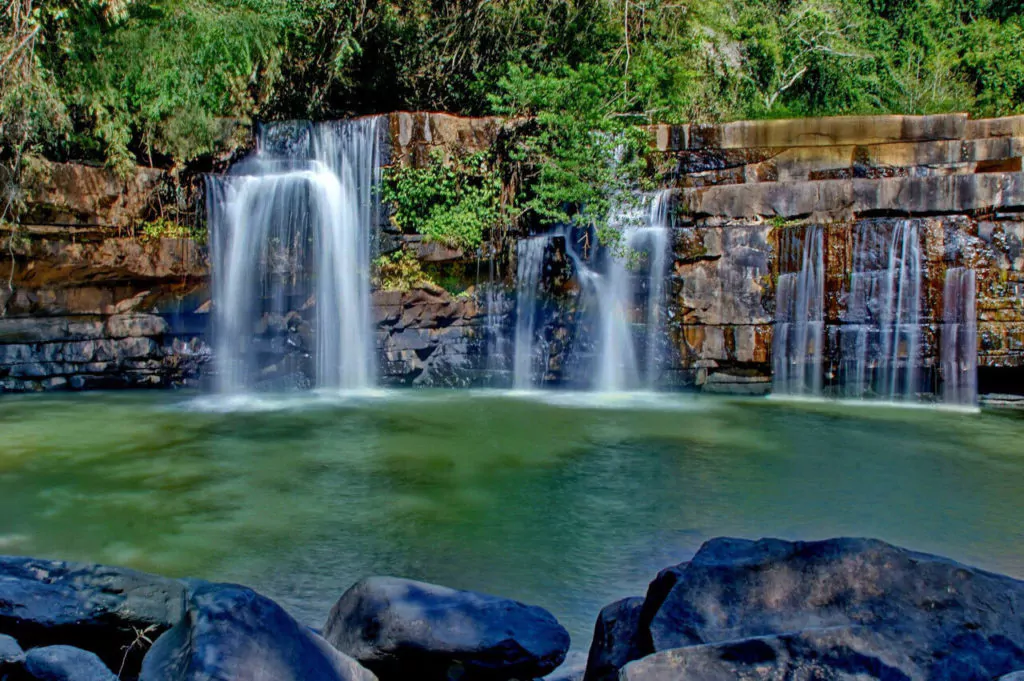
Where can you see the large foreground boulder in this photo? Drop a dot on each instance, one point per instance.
(834, 609)
(65, 663)
(94, 607)
(231, 633)
(402, 629)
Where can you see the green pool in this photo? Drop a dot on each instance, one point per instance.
(564, 500)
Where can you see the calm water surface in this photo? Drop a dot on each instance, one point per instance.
(566, 501)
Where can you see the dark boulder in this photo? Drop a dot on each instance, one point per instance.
(615, 639)
(404, 629)
(94, 607)
(65, 663)
(231, 633)
(11, 656)
(828, 609)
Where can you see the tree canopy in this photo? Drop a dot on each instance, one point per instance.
(154, 81)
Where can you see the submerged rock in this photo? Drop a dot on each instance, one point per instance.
(65, 663)
(98, 608)
(835, 609)
(231, 633)
(403, 629)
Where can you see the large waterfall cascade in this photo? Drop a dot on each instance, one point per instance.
(959, 343)
(798, 345)
(291, 231)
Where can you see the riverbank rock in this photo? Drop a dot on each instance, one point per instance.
(231, 633)
(836, 609)
(11, 655)
(402, 629)
(572, 668)
(94, 607)
(65, 663)
(615, 639)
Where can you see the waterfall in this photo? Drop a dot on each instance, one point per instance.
(530, 257)
(901, 319)
(659, 224)
(619, 355)
(959, 350)
(494, 304)
(882, 333)
(291, 228)
(799, 341)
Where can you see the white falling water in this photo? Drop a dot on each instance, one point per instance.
(619, 358)
(494, 304)
(901, 317)
(959, 351)
(799, 342)
(291, 229)
(882, 332)
(530, 258)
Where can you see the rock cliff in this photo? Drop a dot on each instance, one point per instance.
(94, 302)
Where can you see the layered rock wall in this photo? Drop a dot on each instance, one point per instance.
(93, 302)
(744, 190)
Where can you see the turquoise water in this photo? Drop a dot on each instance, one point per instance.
(564, 500)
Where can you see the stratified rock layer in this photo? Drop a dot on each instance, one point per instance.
(403, 629)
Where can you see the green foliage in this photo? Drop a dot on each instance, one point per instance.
(575, 155)
(398, 271)
(160, 79)
(153, 81)
(162, 228)
(453, 202)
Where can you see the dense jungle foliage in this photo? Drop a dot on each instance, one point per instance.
(159, 81)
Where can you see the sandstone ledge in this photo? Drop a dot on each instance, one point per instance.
(828, 200)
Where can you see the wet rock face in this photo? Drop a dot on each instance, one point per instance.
(774, 609)
(102, 313)
(233, 633)
(98, 608)
(402, 629)
(427, 337)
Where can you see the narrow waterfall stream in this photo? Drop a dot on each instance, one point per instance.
(529, 267)
(622, 297)
(620, 355)
(882, 323)
(290, 236)
(799, 342)
(959, 350)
